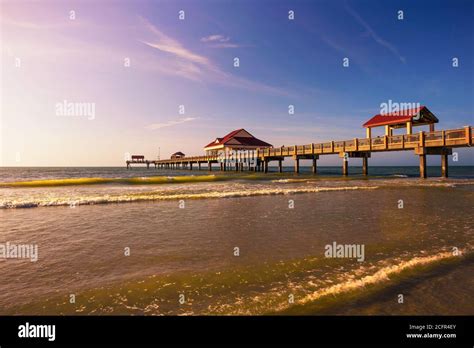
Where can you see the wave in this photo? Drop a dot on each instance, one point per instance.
(152, 180)
(153, 196)
(256, 290)
(381, 275)
(351, 287)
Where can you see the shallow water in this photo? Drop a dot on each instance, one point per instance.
(182, 238)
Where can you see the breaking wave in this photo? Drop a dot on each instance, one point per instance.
(327, 295)
(161, 196)
(152, 180)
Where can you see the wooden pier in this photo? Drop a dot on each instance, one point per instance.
(422, 144)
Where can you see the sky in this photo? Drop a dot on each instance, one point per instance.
(153, 82)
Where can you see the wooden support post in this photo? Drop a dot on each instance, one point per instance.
(421, 139)
(190, 165)
(209, 166)
(280, 166)
(265, 166)
(315, 163)
(365, 165)
(468, 131)
(224, 166)
(237, 164)
(444, 166)
(368, 132)
(409, 128)
(147, 165)
(345, 165)
(199, 165)
(432, 127)
(297, 165)
(423, 166)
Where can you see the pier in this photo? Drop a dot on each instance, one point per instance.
(423, 144)
(239, 150)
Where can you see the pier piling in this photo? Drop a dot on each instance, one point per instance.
(314, 167)
(345, 165)
(444, 165)
(423, 166)
(297, 165)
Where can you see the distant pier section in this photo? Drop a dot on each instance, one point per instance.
(139, 159)
(241, 151)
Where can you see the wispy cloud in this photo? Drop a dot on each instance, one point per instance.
(215, 38)
(392, 48)
(195, 66)
(166, 44)
(219, 41)
(170, 123)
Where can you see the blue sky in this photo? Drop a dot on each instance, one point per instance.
(190, 62)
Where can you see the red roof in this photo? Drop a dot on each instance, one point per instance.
(398, 117)
(243, 140)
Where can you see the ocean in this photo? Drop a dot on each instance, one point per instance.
(145, 241)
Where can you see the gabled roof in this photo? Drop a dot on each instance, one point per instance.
(249, 140)
(179, 153)
(403, 116)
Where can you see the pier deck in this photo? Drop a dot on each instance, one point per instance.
(423, 143)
